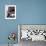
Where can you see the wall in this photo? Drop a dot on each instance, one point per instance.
(27, 12)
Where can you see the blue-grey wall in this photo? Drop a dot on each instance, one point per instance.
(27, 12)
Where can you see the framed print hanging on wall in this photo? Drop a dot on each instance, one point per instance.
(10, 11)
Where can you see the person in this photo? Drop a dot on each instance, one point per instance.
(11, 12)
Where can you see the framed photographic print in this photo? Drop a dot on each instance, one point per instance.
(10, 11)
(33, 32)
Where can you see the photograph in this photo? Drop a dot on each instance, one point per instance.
(10, 11)
(28, 33)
